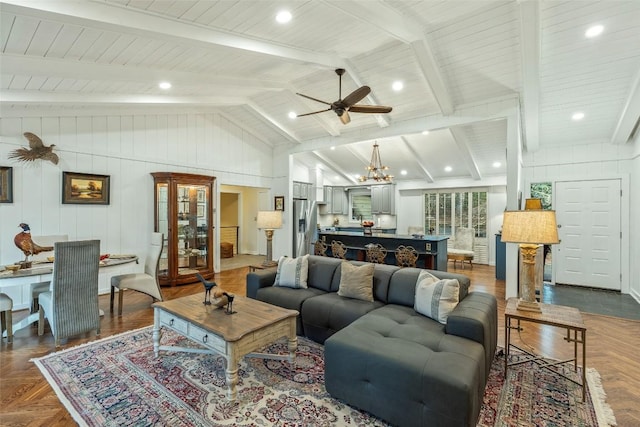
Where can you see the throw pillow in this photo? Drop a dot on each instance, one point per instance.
(436, 298)
(356, 281)
(292, 272)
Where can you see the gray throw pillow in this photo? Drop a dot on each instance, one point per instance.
(356, 281)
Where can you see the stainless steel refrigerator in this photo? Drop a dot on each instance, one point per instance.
(305, 218)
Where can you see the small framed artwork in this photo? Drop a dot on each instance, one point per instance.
(201, 194)
(85, 188)
(278, 203)
(6, 184)
(200, 210)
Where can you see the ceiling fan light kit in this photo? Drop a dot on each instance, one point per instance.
(342, 107)
(375, 170)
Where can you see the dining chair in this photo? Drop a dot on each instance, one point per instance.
(71, 304)
(338, 249)
(35, 289)
(6, 306)
(376, 253)
(406, 256)
(146, 282)
(460, 247)
(320, 248)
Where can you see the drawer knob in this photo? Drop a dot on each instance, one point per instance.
(205, 338)
(171, 322)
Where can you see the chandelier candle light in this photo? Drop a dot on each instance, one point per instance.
(375, 170)
(269, 221)
(530, 228)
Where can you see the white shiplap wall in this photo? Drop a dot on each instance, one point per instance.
(128, 148)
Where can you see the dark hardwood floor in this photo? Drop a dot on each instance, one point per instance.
(26, 399)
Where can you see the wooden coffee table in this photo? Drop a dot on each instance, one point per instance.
(568, 318)
(254, 325)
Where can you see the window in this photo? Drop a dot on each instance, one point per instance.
(446, 211)
(360, 205)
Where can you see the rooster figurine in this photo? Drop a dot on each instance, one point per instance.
(26, 245)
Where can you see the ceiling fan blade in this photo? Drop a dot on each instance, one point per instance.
(369, 109)
(313, 99)
(356, 96)
(344, 118)
(315, 112)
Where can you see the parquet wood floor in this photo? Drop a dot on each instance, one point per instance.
(26, 399)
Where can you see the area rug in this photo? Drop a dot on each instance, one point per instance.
(117, 381)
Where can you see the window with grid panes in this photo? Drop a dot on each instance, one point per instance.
(446, 211)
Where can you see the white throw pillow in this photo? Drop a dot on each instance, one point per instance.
(436, 298)
(292, 272)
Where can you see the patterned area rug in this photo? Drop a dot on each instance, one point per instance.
(117, 381)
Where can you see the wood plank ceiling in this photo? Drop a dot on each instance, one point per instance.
(233, 58)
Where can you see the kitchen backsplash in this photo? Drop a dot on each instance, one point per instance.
(383, 221)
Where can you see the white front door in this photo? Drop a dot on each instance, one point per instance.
(588, 215)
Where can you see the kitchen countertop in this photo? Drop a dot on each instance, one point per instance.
(429, 238)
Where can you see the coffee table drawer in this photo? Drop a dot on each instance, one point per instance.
(207, 339)
(174, 322)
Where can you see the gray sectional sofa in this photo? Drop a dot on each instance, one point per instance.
(383, 356)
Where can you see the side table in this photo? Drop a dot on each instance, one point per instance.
(568, 318)
(255, 267)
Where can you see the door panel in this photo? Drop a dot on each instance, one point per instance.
(588, 215)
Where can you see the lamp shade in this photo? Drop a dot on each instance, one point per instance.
(533, 226)
(269, 219)
(532, 204)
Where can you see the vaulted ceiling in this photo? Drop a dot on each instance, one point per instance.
(461, 64)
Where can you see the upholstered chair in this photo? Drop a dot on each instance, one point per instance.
(146, 282)
(376, 253)
(35, 289)
(460, 246)
(6, 306)
(338, 249)
(71, 305)
(406, 256)
(320, 248)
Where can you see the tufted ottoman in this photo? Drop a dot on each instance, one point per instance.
(403, 367)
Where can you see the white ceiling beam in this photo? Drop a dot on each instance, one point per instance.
(113, 17)
(465, 149)
(333, 167)
(51, 67)
(433, 75)
(530, 52)
(40, 97)
(288, 133)
(244, 127)
(416, 157)
(630, 116)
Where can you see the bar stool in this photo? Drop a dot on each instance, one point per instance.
(320, 248)
(406, 256)
(338, 249)
(6, 321)
(376, 253)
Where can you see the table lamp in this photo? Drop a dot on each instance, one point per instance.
(269, 220)
(529, 228)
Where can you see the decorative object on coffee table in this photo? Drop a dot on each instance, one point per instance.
(207, 289)
(530, 228)
(269, 221)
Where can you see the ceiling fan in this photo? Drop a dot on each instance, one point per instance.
(342, 107)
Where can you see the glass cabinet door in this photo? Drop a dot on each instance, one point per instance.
(162, 226)
(193, 224)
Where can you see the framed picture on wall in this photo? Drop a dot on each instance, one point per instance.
(278, 203)
(6, 184)
(85, 188)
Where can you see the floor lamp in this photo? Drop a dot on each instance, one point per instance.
(529, 228)
(269, 221)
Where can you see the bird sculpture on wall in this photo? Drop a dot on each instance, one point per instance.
(37, 150)
(26, 245)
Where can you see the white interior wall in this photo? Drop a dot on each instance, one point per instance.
(128, 148)
(634, 225)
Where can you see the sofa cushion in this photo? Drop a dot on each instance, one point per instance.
(292, 272)
(382, 274)
(436, 298)
(328, 313)
(288, 298)
(322, 271)
(402, 286)
(356, 281)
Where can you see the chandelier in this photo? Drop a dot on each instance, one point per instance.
(375, 170)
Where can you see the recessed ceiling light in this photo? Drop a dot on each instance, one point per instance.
(397, 85)
(497, 164)
(594, 31)
(425, 132)
(577, 116)
(333, 147)
(283, 16)
(403, 172)
(448, 168)
(164, 85)
(292, 115)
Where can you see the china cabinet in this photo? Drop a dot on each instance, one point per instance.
(183, 207)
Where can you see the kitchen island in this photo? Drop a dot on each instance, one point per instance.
(432, 249)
